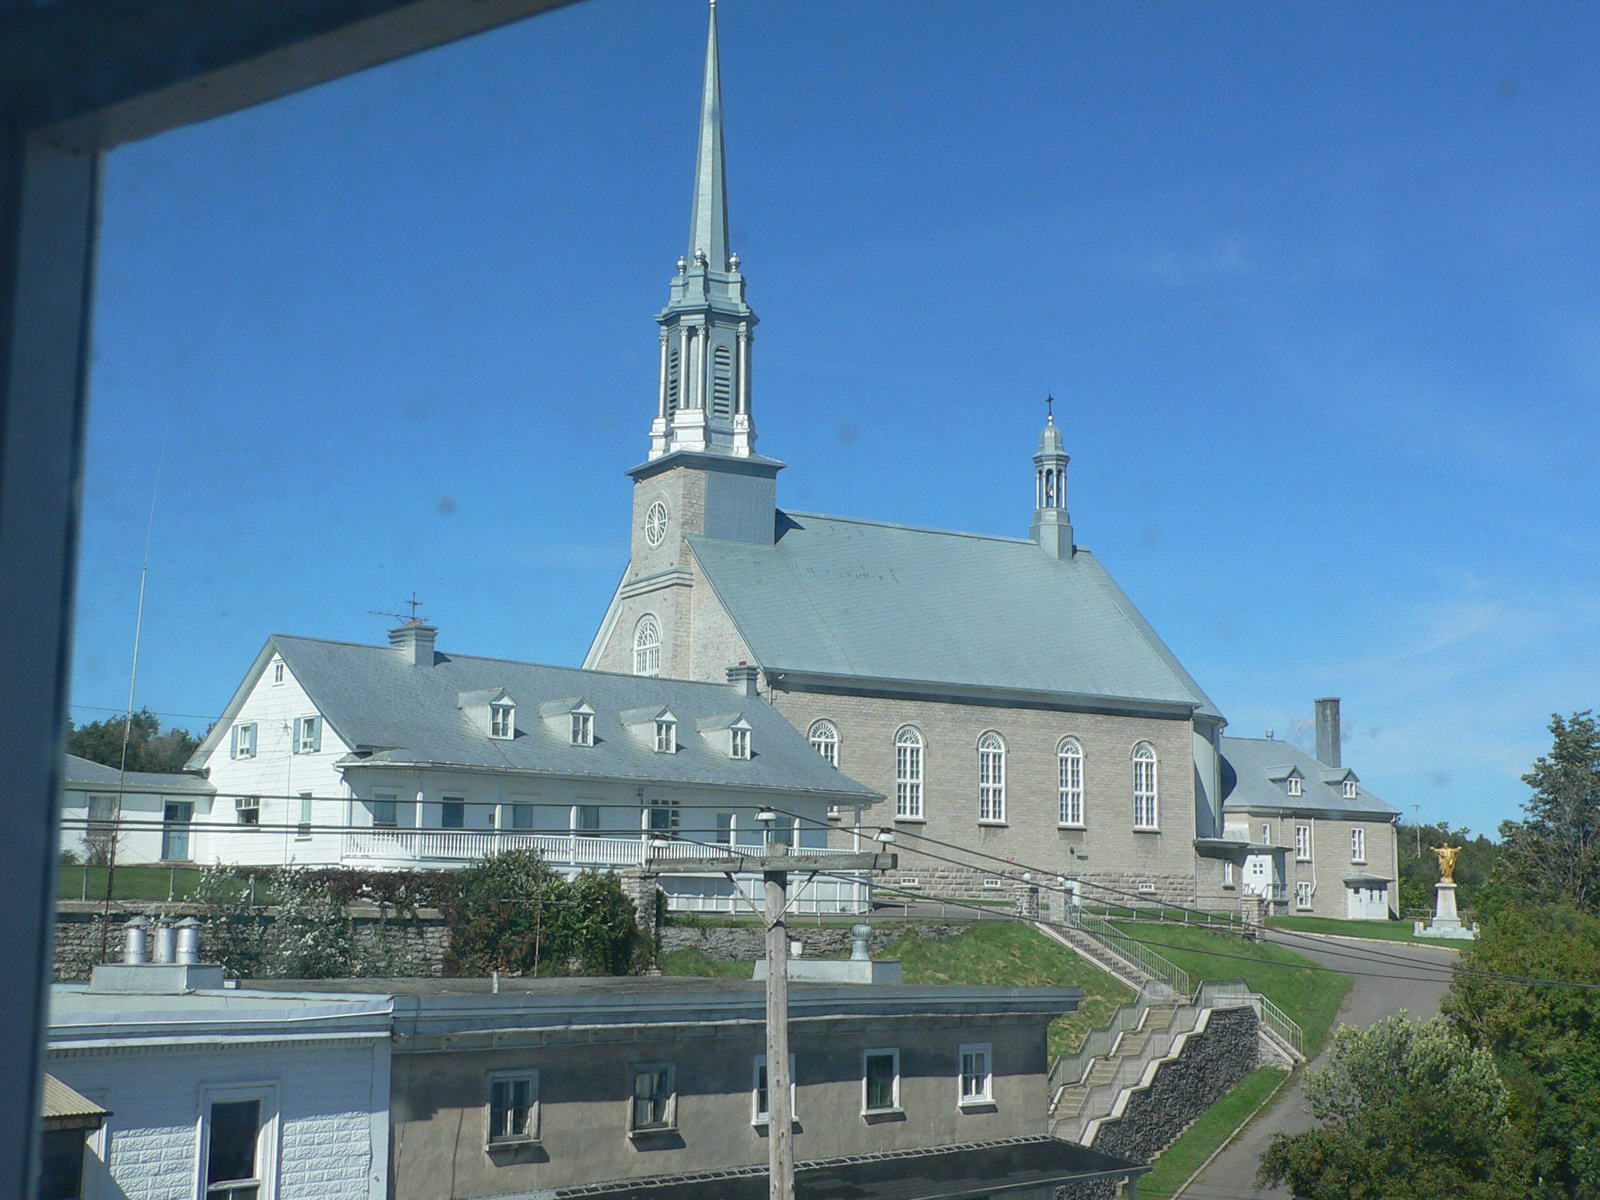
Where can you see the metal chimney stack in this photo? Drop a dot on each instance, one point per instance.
(1328, 731)
(134, 948)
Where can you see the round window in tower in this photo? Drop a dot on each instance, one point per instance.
(655, 523)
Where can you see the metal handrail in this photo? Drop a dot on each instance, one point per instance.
(1140, 957)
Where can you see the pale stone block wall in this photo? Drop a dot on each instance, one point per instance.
(1330, 860)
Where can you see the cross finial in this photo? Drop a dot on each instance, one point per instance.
(1049, 410)
(415, 604)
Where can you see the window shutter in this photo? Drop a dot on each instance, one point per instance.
(233, 742)
(316, 733)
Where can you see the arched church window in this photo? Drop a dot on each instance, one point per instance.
(647, 646)
(908, 773)
(825, 740)
(1146, 797)
(1069, 759)
(991, 777)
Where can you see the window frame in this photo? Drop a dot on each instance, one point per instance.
(666, 737)
(531, 1136)
(379, 799)
(892, 1053)
(986, 1097)
(521, 815)
(1303, 846)
(669, 1121)
(581, 813)
(503, 721)
(1294, 786)
(824, 738)
(247, 810)
(307, 734)
(647, 653)
(1229, 879)
(243, 731)
(1358, 844)
(277, 672)
(760, 1117)
(1302, 895)
(656, 517)
(302, 828)
(1146, 795)
(268, 1127)
(910, 765)
(739, 743)
(1349, 789)
(1070, 758)
(581, 728)
(446, 803)
(991, 778)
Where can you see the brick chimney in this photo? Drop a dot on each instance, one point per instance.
(1328, 731)
(414, 640)
(743, 679)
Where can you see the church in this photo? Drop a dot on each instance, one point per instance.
(1003, 692)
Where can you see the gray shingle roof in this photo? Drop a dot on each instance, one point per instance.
(1253, 768)
(86, 771)
(374, 699)
(839, 596)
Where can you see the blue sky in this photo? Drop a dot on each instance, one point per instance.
(1315, 288)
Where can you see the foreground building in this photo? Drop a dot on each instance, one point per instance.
(331, 753)
(129, 816)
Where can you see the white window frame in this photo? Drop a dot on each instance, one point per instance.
(1302, 895)
(909, 761)
(265, 1092)
(1358, 844)
(1146, 787)
(666, 737)
(1293, 785)
(392, 799)
(739, 743)
(1069, 764)
(758, 1116)
(582, 730)
(503, 721)
(986, 1095)
(1349, 789)
(531, 1136)
(991, 779)
(1266, 833)
(444, 803)
(1302, 843)
(892, 1052)
(655, 523)
(302, 829)
(669, 1123)
(244, 732)
(672, 818)
(1227, 873)
(824, 739)
(247, 810)
(277, 672)
(647, 645)
(307, 734)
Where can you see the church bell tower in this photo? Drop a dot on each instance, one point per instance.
(1052, 524)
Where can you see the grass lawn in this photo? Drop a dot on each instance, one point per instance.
(131, 883)
(996, 953)
(1183, 1158)
(1388, 931)
(1310, 995)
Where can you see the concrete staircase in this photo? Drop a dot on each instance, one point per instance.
(1114, 1060)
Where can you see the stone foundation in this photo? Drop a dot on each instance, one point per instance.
(744, 943)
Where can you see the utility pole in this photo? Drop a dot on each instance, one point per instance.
(774, 863)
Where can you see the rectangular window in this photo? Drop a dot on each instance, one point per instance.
(1266, 834)
(582, 729)
(453, 813)
(665, 819)
(383, 808)
(1227, 874)
(652, 1106)
(758, 1097)
(236, 1143)
(977, 1079)
(303, 829)
(1349, 789)
(1302, 894)
(307, 735)
(908, 775)
(522, 816)
(242, 742)
(1146, 802)
(586, 819)
(1302, 843)
(247, 810)
(666, 737)
(740, 745)
(1071, 787)
(1294, 785)
(100, 838)
(991, 781)
(277, 673)
(880, 1081)
(513, 1107)
(1358, 845)
(724, 833)
(501, 720)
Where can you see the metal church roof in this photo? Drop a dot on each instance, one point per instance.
(838, 596)
(1253, 770)
(393, 712)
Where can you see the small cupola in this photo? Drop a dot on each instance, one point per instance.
(1052, 525)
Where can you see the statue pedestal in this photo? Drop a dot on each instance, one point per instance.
(1446, 921)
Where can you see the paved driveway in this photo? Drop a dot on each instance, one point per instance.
(1232, 1174)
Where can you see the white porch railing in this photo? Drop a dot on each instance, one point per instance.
(434, 846)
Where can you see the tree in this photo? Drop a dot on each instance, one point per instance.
(149, 749)
(1408, 1112)
(1546, 1040)
(1420, 872)
(1554, 854)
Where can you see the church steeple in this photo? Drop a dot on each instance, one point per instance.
(1052, 525)
(703, 397)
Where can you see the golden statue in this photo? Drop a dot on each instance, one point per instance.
(1447, 862)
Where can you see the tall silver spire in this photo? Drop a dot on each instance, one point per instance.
(708, 218)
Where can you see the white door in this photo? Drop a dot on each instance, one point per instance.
(1258, 874)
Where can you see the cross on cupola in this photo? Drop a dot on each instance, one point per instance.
(703, 398)
(1052, 526)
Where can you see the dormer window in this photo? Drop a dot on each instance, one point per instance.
(1294, 786)
(502, 720)
(1349, 789)
(582, 728)
(666, 737)
(739, 744)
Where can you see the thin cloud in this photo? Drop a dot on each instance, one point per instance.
(1227, 259)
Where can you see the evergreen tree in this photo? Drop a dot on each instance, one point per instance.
(149, 749)
(1553, 855)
